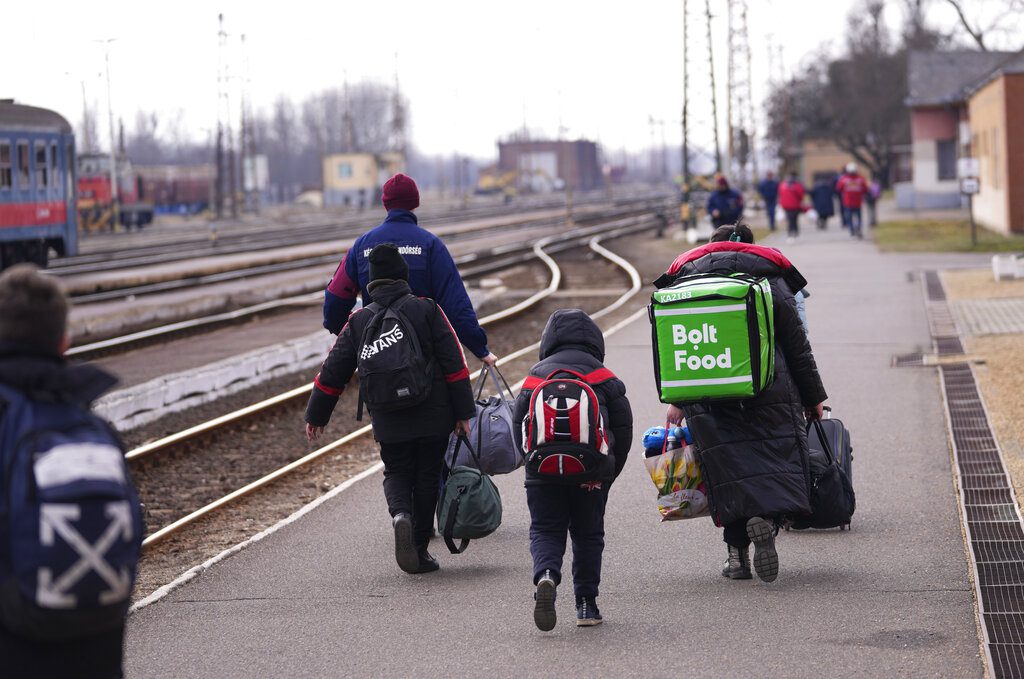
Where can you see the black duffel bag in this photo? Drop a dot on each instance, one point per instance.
(832, 499)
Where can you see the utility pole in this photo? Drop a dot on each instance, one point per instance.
(750, 94)
(218, 187)
(685, 208)
(730, 88)
(714, 96)
(115, 201)
(87, 141)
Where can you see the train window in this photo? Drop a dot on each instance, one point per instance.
(55, 168)
(24, 178)
(42, 167)
(5, 165)
(69, 176)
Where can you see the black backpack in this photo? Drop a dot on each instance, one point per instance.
(393, 372)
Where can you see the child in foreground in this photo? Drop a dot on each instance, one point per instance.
(573, 346)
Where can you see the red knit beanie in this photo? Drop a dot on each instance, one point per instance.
(400, 192)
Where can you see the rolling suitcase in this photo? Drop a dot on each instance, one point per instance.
(833, 501)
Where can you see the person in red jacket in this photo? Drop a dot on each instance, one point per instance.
(852, 188)
(791, 199)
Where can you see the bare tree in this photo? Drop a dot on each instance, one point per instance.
(855, 101)
(88, 130)
(1005, 18)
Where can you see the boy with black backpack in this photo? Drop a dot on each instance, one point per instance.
(415, 384)
(576, 428)
(70, 520)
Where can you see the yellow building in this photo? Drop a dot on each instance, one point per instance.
(996, 107)
(822, 159)
(356, 178)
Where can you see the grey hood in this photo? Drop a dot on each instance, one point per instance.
(571, 329)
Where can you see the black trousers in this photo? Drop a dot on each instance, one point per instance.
(557, 510)
(735, 534)
(793, 222)
(412, 478)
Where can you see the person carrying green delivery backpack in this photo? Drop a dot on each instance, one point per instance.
(753, 452)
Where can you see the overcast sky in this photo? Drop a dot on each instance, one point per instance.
(472, 71)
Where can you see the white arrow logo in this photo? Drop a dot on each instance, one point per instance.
(56, 519)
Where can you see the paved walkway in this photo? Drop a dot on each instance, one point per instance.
(323, 598)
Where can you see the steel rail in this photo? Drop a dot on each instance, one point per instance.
(102, 346)
(177, 525)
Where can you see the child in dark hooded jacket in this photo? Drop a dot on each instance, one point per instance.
(572, 342)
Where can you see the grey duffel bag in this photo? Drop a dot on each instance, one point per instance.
(490, 431)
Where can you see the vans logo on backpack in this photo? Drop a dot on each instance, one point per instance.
(385, 340)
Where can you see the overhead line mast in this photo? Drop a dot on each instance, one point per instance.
(714, 96)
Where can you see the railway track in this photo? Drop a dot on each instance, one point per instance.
(541, 250)
(114, 291)
(470, 266)
(208, 243)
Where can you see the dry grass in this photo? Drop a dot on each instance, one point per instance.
(979, 284)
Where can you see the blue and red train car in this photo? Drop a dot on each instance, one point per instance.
(37, 185)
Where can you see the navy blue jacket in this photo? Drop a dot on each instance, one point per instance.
(432, 273)
(769, 190)
(729, 204)
(821, 196)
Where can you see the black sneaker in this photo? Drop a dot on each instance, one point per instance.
(544, 608)
(766, 560)
(587, 614)
(405, 551)
(428, 564)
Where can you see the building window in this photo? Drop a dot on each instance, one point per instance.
(24, 177)
(5, 165)
(946, 155)
(344, 170)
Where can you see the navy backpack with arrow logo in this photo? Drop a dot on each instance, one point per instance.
(70, 521)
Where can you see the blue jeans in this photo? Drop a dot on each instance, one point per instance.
(853, 220)
(769, 208)
(558, 510)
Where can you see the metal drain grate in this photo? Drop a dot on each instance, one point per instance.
(948, 346)
(915, 360)
(933, 286)
(992, 519)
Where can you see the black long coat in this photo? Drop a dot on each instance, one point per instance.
(753, 453)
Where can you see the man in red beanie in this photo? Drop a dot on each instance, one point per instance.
(432, 272)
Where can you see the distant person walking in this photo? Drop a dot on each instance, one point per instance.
(852, 188)
(413, 434)
(769, 190)
(725, 205)
(821, 199)
(753, 453)
(791, 198)
(432, 271)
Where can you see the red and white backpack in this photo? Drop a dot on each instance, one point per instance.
(563, 431)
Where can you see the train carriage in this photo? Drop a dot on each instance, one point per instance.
(37, 185)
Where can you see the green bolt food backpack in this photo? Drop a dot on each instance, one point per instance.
(713, 338)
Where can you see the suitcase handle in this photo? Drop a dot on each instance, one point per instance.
(824, 442)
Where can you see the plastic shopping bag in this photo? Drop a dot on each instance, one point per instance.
(681, 490)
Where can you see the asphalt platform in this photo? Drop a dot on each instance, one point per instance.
(324, 598)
